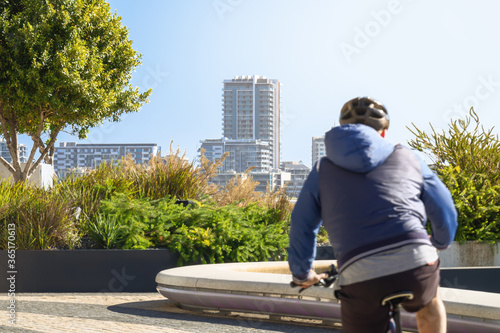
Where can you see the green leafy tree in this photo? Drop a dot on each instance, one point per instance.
(64, 65)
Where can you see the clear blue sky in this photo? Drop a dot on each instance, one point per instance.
(425, 60)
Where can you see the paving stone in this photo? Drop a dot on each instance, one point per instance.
(135, 313)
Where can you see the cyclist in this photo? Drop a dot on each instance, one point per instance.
(374, 199)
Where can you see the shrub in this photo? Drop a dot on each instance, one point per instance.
(173, 176)
(43, 219)
(228, 234)
(130, 206)
(240, 190)
(474, 150)
(478, 203)
(468, 162)
(89, 189)
(133, 217)
(105, 231)
(205, 233)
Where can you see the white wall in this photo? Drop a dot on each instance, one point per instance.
(43, 176)
(470, 254)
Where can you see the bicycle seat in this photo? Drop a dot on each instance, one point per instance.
(397, 298)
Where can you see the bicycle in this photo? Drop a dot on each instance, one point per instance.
(393, 300)
(327, 282)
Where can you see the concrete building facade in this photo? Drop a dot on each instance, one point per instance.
(298, 175)
(243, 154)
(251, 111)
(275, 178)
(4, 152)
(318, 149)
(250, 131)
(72, 155)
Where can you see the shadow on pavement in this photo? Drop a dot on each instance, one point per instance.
(255, 322)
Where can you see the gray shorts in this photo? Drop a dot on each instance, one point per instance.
(360, 302)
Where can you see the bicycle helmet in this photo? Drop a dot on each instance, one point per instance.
(365, 110)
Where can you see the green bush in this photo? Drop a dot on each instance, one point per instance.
(468, 162)
(105, 231)
(134, 218)
(130, 206)
(478, 203)
(228, 234)
(43, 219)
(89, 189)
(198, 233)
(172, 176)
(474, 150)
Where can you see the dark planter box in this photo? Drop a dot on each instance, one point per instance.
(84, 270)
(324, 253)
(135, 271)
(471, 278)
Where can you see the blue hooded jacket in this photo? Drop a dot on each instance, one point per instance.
(371, 196)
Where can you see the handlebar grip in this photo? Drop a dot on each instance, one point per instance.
(327, 282)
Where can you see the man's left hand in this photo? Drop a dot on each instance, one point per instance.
(312, 279)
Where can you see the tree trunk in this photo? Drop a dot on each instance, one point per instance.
(9, 132)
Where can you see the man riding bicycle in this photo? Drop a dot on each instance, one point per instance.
(374, 199)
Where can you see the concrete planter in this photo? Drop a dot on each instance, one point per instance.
(471, 254)
(470, 266)
(85, 270)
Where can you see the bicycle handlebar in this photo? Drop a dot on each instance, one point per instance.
(326, 282)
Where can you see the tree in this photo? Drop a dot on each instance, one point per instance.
(64, 65)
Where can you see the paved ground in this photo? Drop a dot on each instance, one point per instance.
(134, 313)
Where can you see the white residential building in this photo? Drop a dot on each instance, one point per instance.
(299, 173)
(243, 154)
(251, 111)
(4, 152)
(318, 149)
(72, 155)
(274, 178)
(250, 131)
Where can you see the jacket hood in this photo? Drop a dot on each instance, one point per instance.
(356, 147)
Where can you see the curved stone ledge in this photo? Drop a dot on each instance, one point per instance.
(263, 287)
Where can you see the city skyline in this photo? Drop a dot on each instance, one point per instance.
(427, 62)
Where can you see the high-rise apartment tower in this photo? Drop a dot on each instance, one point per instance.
(251, 111)
(318, 148)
